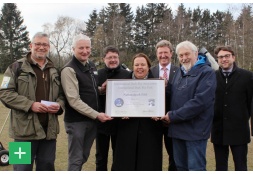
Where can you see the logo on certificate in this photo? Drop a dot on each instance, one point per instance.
(119, 102)
(151, 102)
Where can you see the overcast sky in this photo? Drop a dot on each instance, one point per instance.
(37, 14)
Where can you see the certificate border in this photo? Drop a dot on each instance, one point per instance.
(110, 100)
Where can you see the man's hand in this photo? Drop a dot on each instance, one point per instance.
(102, 89)
(166, 118)
(103, 117)
(38, 107)
(165, 80)
(54, 108)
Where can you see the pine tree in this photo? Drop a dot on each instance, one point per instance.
(126, 30)
(15, 40)
(195, 28)
(113, 24)
(91, 25)
(140, 30)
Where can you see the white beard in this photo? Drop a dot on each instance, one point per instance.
(187, 66)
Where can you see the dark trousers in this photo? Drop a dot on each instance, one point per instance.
(102, 149)
(81, 136)
(169, 148)
(42, 152)
(239, 153)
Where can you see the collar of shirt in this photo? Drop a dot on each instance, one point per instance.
(36, 63)
(84, 63)
(229, 70)
(161, 70)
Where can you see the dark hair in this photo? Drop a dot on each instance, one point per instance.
(141, 55)
(224, 48)
(110, 49)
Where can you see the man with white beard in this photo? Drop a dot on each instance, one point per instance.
(192, 108)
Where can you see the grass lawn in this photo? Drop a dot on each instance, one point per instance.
(1, 78)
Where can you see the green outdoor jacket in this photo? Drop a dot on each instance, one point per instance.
(19, 95)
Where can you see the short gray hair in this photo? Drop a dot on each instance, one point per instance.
(188, 45)
(164, 43)
(78, 38)
(40, 34)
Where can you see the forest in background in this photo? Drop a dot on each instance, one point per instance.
(133, 32)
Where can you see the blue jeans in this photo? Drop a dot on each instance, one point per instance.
(189, 155)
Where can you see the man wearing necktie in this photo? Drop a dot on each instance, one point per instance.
(165, 70)
(231, 111)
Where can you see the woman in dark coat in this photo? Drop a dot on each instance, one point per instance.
(139, 140)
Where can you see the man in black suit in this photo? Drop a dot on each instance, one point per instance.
(165, 70)
(232, 109)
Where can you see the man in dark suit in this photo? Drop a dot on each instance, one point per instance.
(107, 131)
(232, 109)
(165, 70)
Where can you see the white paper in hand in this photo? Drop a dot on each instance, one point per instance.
(47, 103)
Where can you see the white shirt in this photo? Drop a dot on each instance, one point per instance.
(161, 71)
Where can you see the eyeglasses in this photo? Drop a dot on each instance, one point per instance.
(226, 56)
(112, 57)
(44, 45)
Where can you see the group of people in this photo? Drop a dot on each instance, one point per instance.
(199, 101)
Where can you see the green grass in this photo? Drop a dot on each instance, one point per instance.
(62, 155)
(1, 78)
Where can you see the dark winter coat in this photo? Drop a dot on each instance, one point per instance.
(139, 144)
(192, 102)
(232, 109)
(109, 127)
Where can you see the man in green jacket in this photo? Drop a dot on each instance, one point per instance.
(31, 89)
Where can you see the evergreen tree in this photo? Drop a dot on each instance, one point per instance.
(157, 13)
(206, 27)
(165, 28)
(114, 24)
(179, 23)
(140, 30)
(151, 23)
(102, 21)
(195, 28)
(99, 39)
(126, 30)
(91, 25)
(15, 40)
(218, 27)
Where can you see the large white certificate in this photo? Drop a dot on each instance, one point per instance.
(135, 98)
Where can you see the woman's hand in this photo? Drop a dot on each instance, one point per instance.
(155, 118)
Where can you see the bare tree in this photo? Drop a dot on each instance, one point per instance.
(61, 35)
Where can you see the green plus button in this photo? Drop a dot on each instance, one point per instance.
(20, 152)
